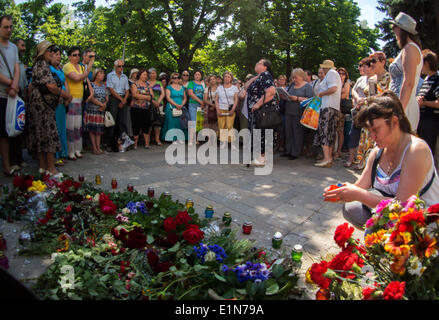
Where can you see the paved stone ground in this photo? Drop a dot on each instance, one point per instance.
(289, 200)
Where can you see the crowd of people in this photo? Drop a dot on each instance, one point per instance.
(68, 108)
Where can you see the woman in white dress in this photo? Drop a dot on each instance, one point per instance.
(406, 69)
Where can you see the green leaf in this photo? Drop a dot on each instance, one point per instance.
(272, 287)
(199, 267)
(119, 287)
(277, 271)
(175, 247)
(103, 279)
(222, 279)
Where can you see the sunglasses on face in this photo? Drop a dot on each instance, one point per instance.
(53, 49)
(75, 55)
(185, 75)
(120, 66)
(342, 73)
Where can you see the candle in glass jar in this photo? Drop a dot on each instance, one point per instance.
(247, 227)
(208, 213)
(296, 253)
(277, 240)
(227, 219)
(151, 192)
(98, 179)
(130, 187)
(189, 203)
(81, 178)
(114, 183)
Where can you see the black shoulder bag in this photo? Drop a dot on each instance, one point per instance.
(268, 116)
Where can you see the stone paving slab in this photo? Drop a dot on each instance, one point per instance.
(289, 200)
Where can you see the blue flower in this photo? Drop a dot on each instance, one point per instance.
(224, 268)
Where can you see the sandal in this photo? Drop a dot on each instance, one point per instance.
(348, 164)
(59, 163)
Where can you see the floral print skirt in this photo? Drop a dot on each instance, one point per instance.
(327, 129)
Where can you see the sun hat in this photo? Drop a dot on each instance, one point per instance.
(133, 71)
(327, 64)
(42, 48)
(163, 75)
(405, 22)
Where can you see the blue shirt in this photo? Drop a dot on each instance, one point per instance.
(120, 85)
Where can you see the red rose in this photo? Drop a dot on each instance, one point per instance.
(342, 234)
(169, 224)
(394, 291)
(193, 234)
(172, 238)
(68, 209)
(149, 204)
(316, 272)
(182, 218)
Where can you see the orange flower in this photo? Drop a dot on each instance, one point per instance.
(399, 243)
(426, 246)
(398, 265)
(375, 238)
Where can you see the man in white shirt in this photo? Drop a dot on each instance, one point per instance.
(330, 92)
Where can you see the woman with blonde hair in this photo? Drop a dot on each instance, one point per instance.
(294, 131)
(226, 101)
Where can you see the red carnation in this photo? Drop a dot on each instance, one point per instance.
(193, 234)
(344, 261)
(342, 234)
(434, 208)
(394, 291)
(169, 224)
(68, 209)
(182, 218)
(316, 272)
(367, 293)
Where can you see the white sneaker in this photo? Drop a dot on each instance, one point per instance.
(223, 145)
(234, 147)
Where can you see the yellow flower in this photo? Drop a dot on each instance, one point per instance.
(37, 186)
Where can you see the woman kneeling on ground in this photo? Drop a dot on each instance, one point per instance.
(401, 165)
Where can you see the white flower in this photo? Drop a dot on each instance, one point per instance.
(415, 267)
(125, 211)
(96, 197)
(210, 256)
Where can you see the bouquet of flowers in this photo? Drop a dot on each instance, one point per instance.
(399, 259)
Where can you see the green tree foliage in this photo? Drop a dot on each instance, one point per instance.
(212, 35)
(295, 33)
(426, 14)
